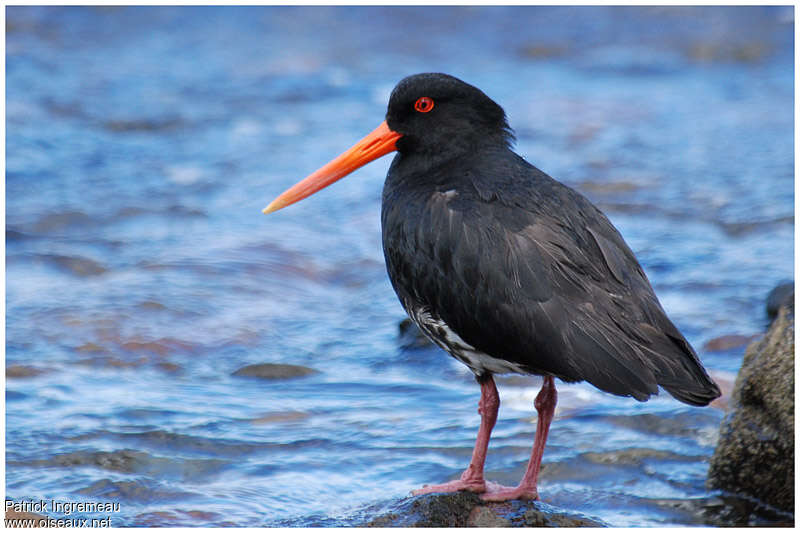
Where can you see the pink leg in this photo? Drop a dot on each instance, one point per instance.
(472, 478)
(545, 404)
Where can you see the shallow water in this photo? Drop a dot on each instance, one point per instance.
(142, 144)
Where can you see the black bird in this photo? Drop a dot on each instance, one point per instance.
(507, 269)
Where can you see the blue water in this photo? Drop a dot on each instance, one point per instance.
(142, 144)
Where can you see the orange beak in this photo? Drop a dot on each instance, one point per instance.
(379, 142)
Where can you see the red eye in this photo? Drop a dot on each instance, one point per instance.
(424, 104)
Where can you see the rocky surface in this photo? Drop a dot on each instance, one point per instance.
(465, 509)
(755, 453)
(274, 371)
(778, 297)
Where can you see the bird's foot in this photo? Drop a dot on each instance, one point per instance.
(498, 493)
(474, 485)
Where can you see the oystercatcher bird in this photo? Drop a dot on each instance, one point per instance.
(507, 269)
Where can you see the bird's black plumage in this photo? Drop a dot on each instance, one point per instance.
(510, 270)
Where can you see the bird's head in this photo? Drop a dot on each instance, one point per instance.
(438, 113)
(433, 116)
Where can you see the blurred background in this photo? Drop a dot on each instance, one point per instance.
(142, 144)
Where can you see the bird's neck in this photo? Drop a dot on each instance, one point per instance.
(436, 169)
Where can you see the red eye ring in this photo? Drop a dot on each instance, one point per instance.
(423, 104)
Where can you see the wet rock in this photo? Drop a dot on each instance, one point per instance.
(130, 461)
(274, 371)
(609, 187)
(119, 461)
(160, 347)
(286, 416)
(781, 295)
(727, 342)
(169, 367)
(133, 352)
(75, 265)
(542, 51)
(90, 347)
(755, 452)
(113, 362)
(143, 491)
(630, 456)
(58, 221)
(184, 211)
(23, 371)
(151, 305)
(146, 125)
(465, 509)
(714, 52)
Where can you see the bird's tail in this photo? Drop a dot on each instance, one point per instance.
(684, 376)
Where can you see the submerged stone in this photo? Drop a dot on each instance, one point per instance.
(274, 371)
(23, 371)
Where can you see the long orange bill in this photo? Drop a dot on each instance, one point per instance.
(379, 142)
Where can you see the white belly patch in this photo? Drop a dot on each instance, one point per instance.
(440, 333)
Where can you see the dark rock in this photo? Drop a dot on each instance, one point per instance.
(141, 491)
(629, 456)
(151, 305)
(119, 461)
(23, 371)
(714, 52)
(75, 265)
(542, 51)
(781, 295)
(58, 221)
(146, 125)
(160, 347)
(727, 342)
(169, 367)
(112, 362)
(755, 452)
(607, 187)
(90, 347)
(274, 371)
(465, 509)
(280, 417)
